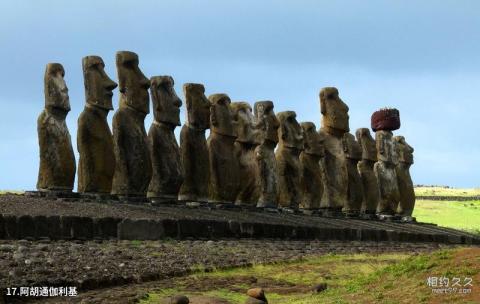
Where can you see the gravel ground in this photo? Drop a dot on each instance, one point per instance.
(93, 265)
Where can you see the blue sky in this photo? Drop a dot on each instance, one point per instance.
(422, 57)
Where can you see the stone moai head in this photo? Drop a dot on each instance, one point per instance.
(221, 120)
(244, 122)
(312, 141)
(166, 103)
(366, 141)
(55, 89)
(198, 106)
(334, 111)
(98, 86)
(290, 133)
(266, 120)
(404, 151)
(385, 149)
(351, 147)
(133, 85)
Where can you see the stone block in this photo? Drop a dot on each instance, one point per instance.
(140, 229)
(2, 227)
(105, 227)
(26, 227)
(54, 227)
(41, 226)
(82, 228)
(170, 228)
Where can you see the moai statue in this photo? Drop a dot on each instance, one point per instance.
(287, 155)
(335, 123)
(164, 151)
(353, 153)
(57, 161)
(224, 178)
(365, 169)
(133, 167)
(267, 124)
(383, 123)
(193, 145)
(245, 144)
(94, 138)
(312, 168)
(405, 184)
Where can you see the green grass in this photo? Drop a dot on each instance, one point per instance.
(458, 215)
(359, 278)
(439, 191)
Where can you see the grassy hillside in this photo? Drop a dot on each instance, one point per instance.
(440, 191)
(360, 278)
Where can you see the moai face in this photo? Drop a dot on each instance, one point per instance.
(133, 84)
(166, 103)
(56, 91)
(221, 115)
(266, 120)
(290, 132)
(244, 122)
(334, 111)
(385, 149)
(313, 142)
(351, 147)
(98, 86)
(198, 106)
(366, 141)
(403, 149)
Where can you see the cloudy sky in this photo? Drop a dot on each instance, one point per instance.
(422, 57)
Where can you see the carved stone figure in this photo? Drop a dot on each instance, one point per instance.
(133, 167)
(94, 138)
(405, 184)
(224, 179)
(164, 151)
(193, 145)
(365, 169)
(245, 144)
(287, 155)
(353, 153)
(267, 124)
(57, 161)
(335, 122)
(312, 169)
(384, 170)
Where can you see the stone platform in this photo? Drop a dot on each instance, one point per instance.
(25, 217)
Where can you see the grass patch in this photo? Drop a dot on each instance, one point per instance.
(440, 191)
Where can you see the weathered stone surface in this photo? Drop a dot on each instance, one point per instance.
(94, 138)
(312, 167)
(193, 145)
(57, 161)
(224, 179)
(133, 167)
(82, 228)
(267, 124)
(66, 227)
(384, 170)
(11, 230)
(105, 227)
(2, 227)
(257, 293)
(246, 142)
(365, 169)
(178, 299)
(141, 229)
(25, 227)
(385, 119)
(335, 122)
(170, 228)
(41, 226)
(287, 155)
(404, 154)
(165, 154)
(353, 153)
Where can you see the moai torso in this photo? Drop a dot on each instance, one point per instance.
(384, 170)
(288, 163)
(224, 179)
(365, 169)
(57, 161)
(334, 125)
(405, 185)
(353, 153)
(164, 150)
(94, 138)
(133, 168)
(267, 124)
(312, 169)
(193, 145)
(245, 144)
